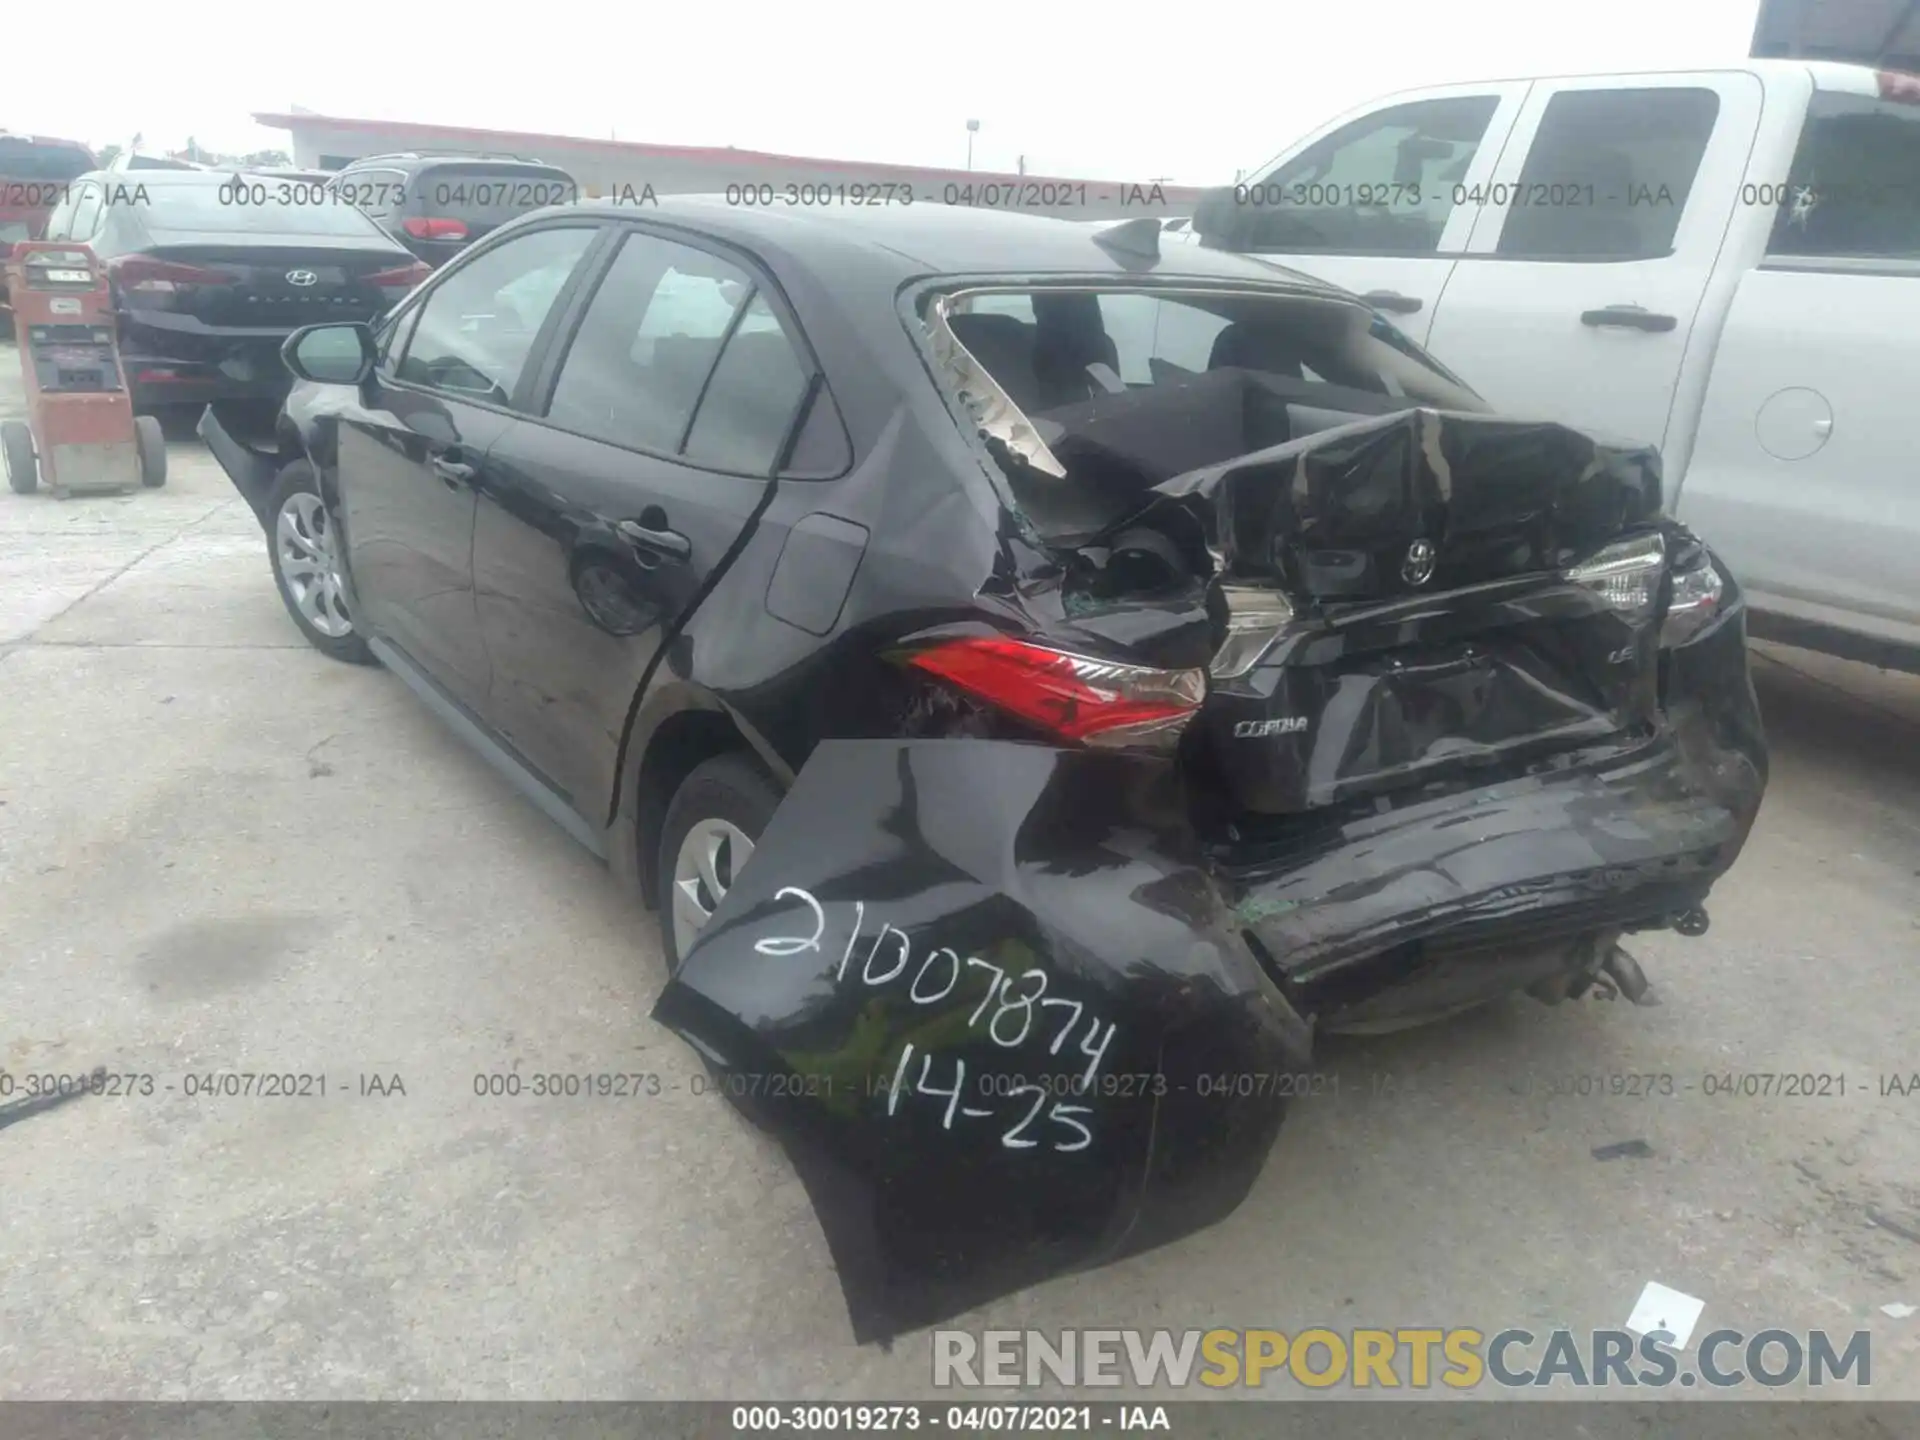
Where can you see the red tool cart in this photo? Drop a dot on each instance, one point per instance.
(80, 434)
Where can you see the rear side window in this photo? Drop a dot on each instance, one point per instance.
(751, 398)
(483, 198)
(660, 364)
(478, 326)
(22, 159)
(1855, 185)
(1611, 171)
(381, 193)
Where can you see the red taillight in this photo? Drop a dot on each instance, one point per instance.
(1093, 702)
(149, 276)
(401, 277)
(1897, 86)
(435, 229)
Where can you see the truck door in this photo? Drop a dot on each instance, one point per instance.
(1593, 246)
(1805, 476)
(1368, 201)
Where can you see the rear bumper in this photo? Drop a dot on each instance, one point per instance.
(165, 365)
(1011, 1018)
(1354, 903)
(253, 471)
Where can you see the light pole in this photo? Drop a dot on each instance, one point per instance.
(973, 129)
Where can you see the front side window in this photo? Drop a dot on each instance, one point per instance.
(660, 341)
(1382, 185)
(1854, 189)
(1609, 174)
(390, 340)
(477, 327)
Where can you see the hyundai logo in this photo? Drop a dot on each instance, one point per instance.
(1417, 568)
(302, 278)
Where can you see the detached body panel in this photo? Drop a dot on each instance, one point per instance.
(982, 991)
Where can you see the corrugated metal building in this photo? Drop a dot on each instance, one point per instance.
(624, 169)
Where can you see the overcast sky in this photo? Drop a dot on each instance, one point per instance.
(1192, 91)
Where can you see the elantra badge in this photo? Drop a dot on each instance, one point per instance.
(1417, 568)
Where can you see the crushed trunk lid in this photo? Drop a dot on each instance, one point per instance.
(1443, 592)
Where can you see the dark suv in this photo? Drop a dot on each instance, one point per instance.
(437, 205)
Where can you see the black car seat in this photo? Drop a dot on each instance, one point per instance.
(1246, 347)
(1072, 336)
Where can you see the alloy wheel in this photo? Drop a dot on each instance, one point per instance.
(310, 564)
(704, 870)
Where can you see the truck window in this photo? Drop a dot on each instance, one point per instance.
(1852, 189)
(1609, 173)
(1381, 185)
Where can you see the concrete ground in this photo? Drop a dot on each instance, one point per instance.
(219, 850)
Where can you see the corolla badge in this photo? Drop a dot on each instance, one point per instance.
(302, 277)
(1417, 568)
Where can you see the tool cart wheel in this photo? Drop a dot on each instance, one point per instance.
(23, 472)
(152, 443)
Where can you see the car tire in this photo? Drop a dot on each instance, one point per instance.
(307, 567)
(151, 442)
(23, 471)
(722, 807)
(178, 422)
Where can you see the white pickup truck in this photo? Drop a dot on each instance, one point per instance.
(1725, 263)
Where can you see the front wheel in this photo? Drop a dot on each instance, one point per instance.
(715, 819)
(308, 566)
(16, 444)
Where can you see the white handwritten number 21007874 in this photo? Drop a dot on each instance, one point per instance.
(1020, 1014)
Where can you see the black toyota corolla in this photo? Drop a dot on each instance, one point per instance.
(1038, 682)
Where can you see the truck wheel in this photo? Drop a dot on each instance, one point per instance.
(23, 472)
(152, 444)
(715, 819)
(308, 566)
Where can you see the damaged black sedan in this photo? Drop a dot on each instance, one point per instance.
(1039, 683)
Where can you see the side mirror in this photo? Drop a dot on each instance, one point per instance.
(1219, 218)
(330, 354)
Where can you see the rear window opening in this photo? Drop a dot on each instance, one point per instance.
(1091, 396)
(41, 160)
(236, 204)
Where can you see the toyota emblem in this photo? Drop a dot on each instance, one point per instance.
(1417, 568)
(302, 278)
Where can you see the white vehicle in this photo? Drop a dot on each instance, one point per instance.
(1724, 263)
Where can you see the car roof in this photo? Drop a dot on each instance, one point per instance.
(926, 239)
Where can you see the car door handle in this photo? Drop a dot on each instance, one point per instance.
(1393, 300)
(669, 544)
(453, 473)
(1629, 317)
